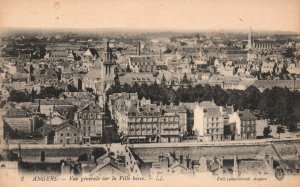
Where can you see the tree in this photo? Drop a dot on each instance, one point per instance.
(288, 53)
(18, 96)
(98, 152)
(293, 127)
(267, 131)
(163, 80)
(280, 130)
(82, 157)
(43, 156)
(128, 70)
(168, 51)
(117, 80)
(89, 89)
(185, 79)
(50, 92)
(72, 88)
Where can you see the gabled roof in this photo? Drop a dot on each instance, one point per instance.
(110, 163)
(91, 52)
(213, 112)
(132, 109)
(67, 123)
(93, 74)
(246, 115)
(49, 121)
(53, 127)
(177, 164)
(207, 104)
(89, 108)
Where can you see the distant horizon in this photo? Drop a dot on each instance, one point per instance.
(147, 30)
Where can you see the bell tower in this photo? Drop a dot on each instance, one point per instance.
(250, 39)
(108, 65)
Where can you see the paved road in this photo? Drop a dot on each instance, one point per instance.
(116, 146)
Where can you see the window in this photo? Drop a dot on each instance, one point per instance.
(207, 131)
(61, 134)
(68, 134)
(74, 134)
(61, 141)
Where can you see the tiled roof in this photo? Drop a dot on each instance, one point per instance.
(207, 104)
(93, 74)
(246, 114)
(52, 102)
(212, 112)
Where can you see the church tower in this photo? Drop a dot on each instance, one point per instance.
(108, 68)
(250, 40)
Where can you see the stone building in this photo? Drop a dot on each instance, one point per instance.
(90, 122)
(152, 124)
(67, 133)
(209, 121)
(20, 120)
(245, 124)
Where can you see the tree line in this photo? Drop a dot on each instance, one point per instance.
(25, 96)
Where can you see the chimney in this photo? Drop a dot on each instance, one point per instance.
(39, 107)
(160, 55)
(271, 160)
(160, 158)
(235, 165)
(188, 160)
(181, 158)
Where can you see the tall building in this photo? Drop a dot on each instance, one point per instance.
(245, 124)
(250, 40)
(209, 121)
(108, 65)
(153, 124)
(90, 122)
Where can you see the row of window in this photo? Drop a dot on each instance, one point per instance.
(212, 119)
(251, 122)
(169, 119)
(213, 124)
(143, 128)
(212, 131)
(89, 116)
(68, 134)
(248, 129)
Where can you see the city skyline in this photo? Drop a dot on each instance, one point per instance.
(267, 15)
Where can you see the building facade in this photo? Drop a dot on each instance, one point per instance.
(90, 122)
(244, 123)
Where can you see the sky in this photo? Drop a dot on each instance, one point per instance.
(269, 15)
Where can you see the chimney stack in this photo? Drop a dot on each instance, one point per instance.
(188, 160)
(181, 158)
